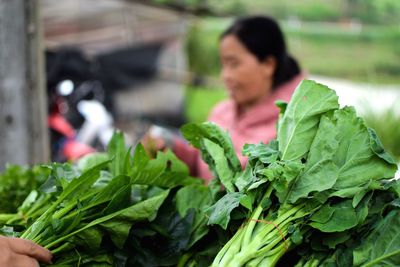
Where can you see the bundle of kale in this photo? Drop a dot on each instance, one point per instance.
(320, 194)
(102, 211)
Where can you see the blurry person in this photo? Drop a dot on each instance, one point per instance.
(18, 252)
(257, 70)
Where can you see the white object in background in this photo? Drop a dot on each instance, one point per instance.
(98, 122)
(65, 88)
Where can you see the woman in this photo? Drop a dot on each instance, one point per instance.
(257, 71)
(17, 252)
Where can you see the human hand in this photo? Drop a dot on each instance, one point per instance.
(153, 144)
(18, 252)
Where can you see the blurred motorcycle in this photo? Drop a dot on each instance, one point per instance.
(79, 122)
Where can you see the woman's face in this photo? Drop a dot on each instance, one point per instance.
(246, 78)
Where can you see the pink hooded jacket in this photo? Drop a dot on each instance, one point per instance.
(256, 125)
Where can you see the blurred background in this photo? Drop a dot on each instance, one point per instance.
(132, 64)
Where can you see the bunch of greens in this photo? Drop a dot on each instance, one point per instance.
(321, 193)
(87, 214)
(16, 182)
(322, 180)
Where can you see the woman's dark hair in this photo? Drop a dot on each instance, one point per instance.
(263, 37)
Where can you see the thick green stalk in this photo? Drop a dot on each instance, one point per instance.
(60, 248)
(286, 217)
(267, 260)
(232, 250)
(184, 259)
(259, 238)
(36, 214)
(222, 253)
(271, 261)
(36, 229)
(39, 205)
(6, 217)
(41, 237)
(62, 212)
(253, 220)
(312, 263)
(254, 262)
(254, 250)
(241, 237)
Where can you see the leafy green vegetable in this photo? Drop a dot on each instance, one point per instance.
(299, 123)
(94, 206)
(318, 177)
(217, 151)
(321, 194)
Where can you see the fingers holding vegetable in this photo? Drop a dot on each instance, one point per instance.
(157, 139)
(20, 252)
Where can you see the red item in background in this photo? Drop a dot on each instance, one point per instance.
(60, 124)
(73, 150)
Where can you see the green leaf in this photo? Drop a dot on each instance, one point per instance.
(166, 171)
(89, 161)
(377, 147)
(393, 186)
(194, 133)
(65, 225)
(245, 178)
(80, 185)
(215, 189)
(262, 152)
(121, 199)
(333, 239)
(296, 237)
(220, 212)
(120, 222)
(323, 215)
(140, 159)
(247, 202)
(117, 150)
(320, 173)
(382, 245)
(221, 163)
(282, 174)
(192, 197)
(336, 218)
(358, 163)
(97, 258)
(299, 124)
(90, 238)
(109, 191)
(197, 198)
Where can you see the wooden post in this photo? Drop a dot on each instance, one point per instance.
(23, 105)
